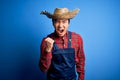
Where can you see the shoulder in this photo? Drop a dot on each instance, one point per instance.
(76, 36)
(51, 35)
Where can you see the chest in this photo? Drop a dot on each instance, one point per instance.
(62, 42)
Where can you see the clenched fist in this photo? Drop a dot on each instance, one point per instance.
(49, 44)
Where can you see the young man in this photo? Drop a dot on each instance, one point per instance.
(62, 54)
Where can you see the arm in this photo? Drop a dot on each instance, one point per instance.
(81, 60)
(45, 56)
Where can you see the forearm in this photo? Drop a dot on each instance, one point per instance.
(45, 61)
(81, 62)
(81, 75)
(80, 67)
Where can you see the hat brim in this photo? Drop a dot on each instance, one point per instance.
(68, 15)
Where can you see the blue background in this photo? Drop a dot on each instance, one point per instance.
(22, 29)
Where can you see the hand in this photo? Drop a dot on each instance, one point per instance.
(49, 44)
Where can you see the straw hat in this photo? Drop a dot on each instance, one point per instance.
(61, 13)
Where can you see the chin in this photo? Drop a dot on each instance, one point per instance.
(61, 34)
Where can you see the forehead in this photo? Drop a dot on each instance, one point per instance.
(61, 19)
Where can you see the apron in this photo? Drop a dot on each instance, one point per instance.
(63, 63)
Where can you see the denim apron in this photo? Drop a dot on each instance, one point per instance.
(63, 63)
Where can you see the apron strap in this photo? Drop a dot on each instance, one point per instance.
(55, 47)
(69, 39)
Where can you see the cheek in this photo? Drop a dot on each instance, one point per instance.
(55, 26)
(66, 26)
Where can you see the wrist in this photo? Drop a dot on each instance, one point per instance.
(48, 50)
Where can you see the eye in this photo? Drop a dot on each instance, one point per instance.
(64, 21)
(56, 22)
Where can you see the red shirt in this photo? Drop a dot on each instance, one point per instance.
(62, 42)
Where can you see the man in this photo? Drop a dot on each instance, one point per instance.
(62, 54)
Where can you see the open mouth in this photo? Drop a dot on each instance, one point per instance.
(61, 30)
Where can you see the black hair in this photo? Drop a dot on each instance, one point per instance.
(53, 20)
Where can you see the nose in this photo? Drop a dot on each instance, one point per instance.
(60, 25)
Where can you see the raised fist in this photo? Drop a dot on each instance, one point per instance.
(49, 44)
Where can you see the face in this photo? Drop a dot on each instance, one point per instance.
(61, 26)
